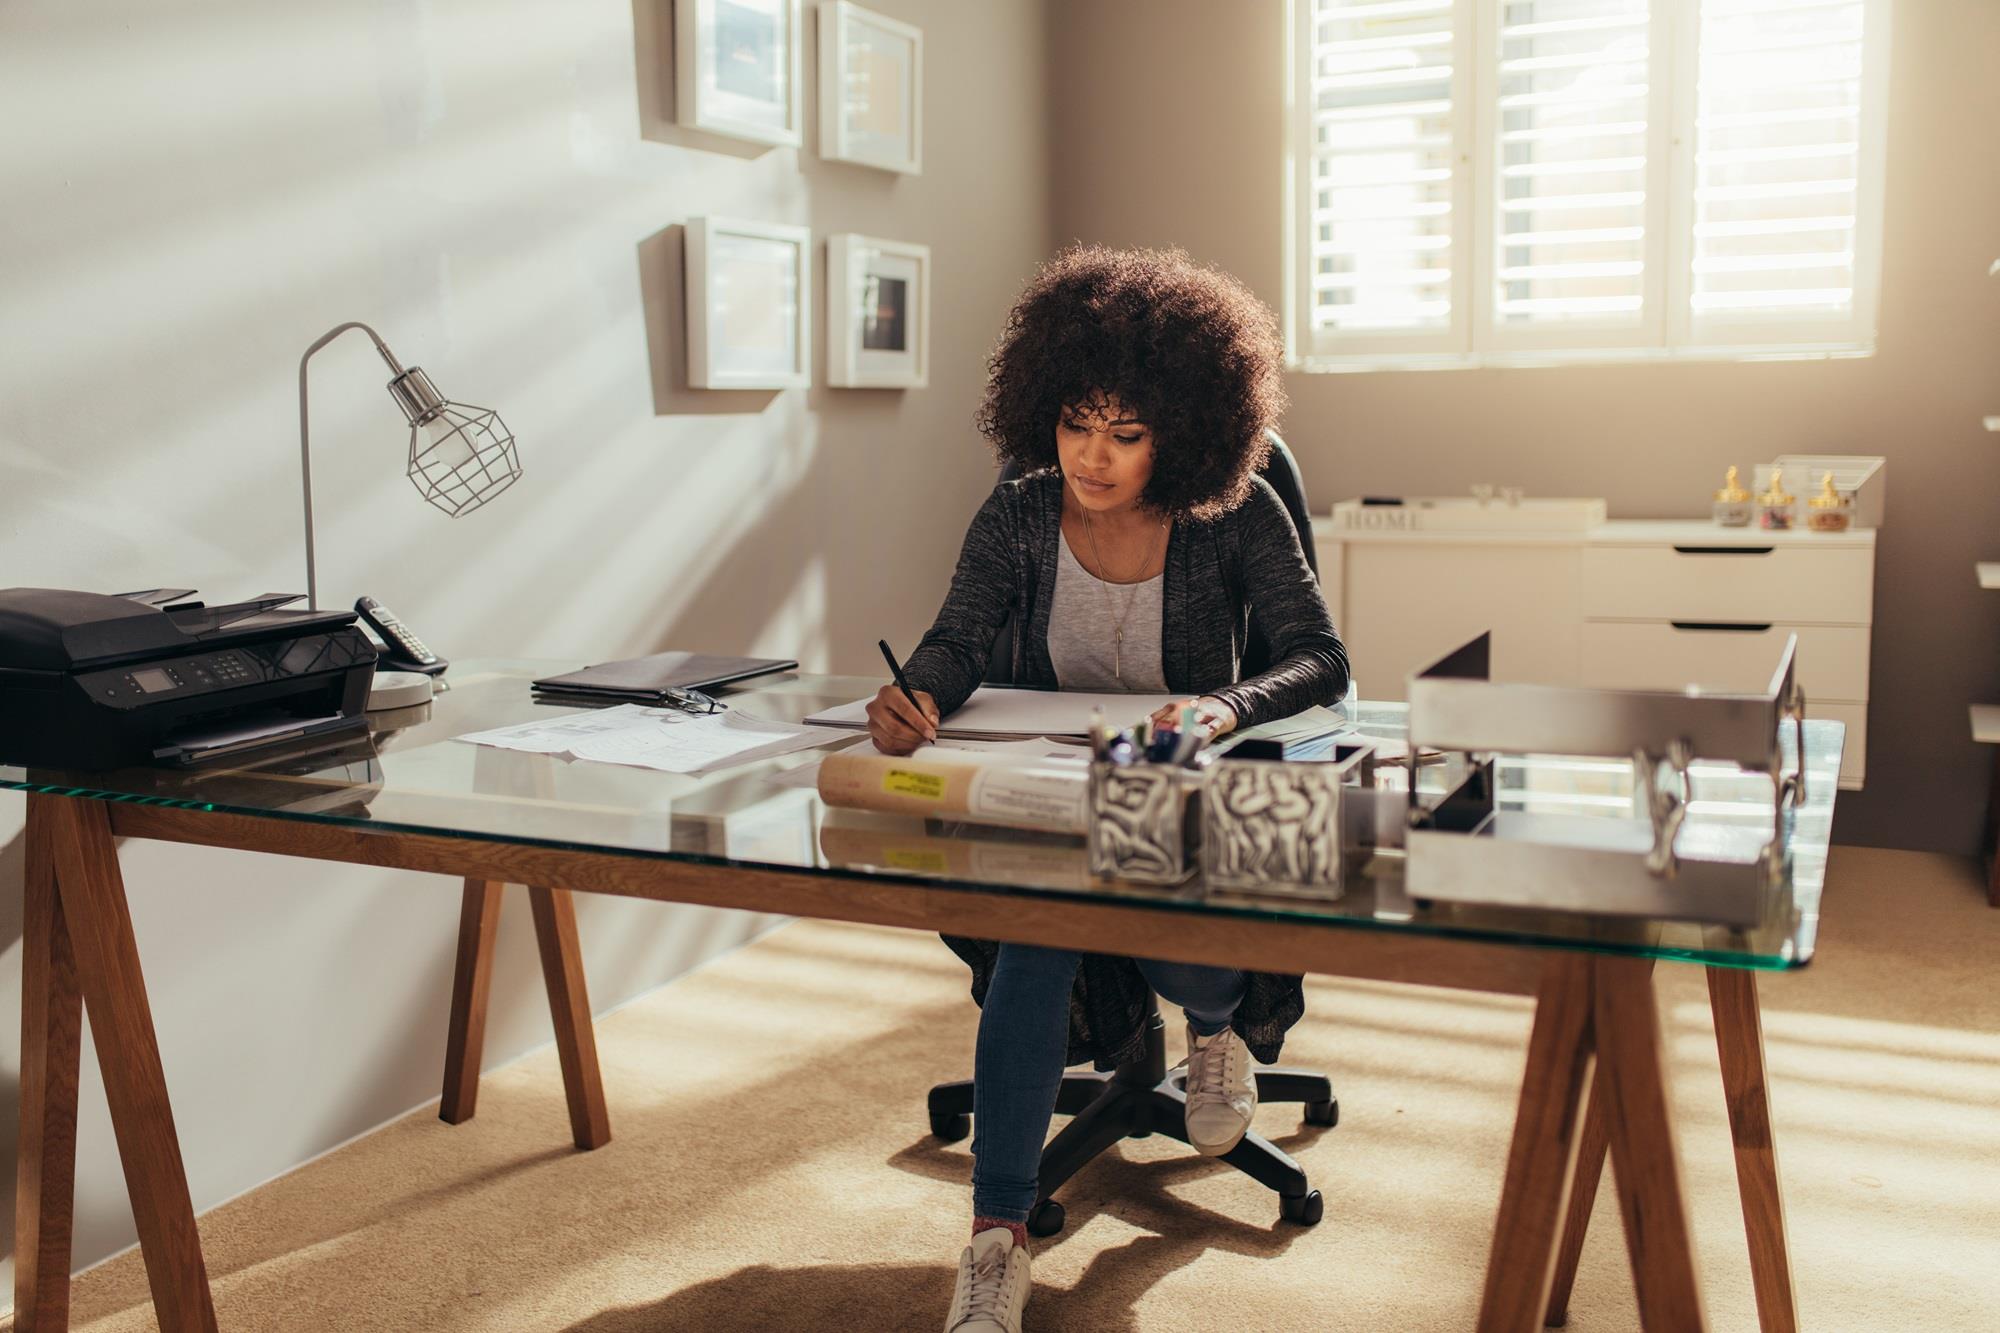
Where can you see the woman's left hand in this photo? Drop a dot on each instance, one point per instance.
(1213, 716)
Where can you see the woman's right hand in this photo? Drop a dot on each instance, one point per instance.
(897, 726)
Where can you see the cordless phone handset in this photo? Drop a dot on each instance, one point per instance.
(406, 652)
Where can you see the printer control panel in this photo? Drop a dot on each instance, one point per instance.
(234, 667)
(203, 673)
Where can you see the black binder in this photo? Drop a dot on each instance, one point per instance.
(649, 679)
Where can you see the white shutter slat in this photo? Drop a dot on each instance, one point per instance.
(1419, 244)
(1329, 16)
(1398, 78)
(1592, 23)
(1416, 277)
(1774, 226)
(1579, 167)
(1575, 97)
(1813, 115)
(1598, 129)
(1573, 236)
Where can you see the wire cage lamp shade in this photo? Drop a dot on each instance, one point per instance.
(461, 456)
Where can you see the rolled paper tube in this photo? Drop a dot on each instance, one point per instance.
(1012, 791)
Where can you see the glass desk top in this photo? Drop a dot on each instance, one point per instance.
(407, 773)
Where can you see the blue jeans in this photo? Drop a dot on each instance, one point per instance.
(1023, 1042)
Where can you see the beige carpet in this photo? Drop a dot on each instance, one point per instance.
(770, 1167)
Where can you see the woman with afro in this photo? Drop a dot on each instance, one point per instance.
(1137, 551)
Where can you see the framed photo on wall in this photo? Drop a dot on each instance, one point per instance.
(749, 304)
(878, 313)
(736, 68)
(871, 88)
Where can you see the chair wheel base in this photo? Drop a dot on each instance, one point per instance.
(1305, 1210)
(1323, 1113)
(950, 1128)
(1045, 1218)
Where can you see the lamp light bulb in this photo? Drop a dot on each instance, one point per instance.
(448, 444)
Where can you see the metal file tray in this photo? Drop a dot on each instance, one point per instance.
(1463, 847)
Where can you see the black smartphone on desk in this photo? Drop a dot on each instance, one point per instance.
(406, 652)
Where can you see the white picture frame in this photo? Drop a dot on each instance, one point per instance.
(749, 304)
(878, 313)
(871, 88)
(737, 66)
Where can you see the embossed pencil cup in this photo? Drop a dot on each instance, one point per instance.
(1142, 823)
(1277, 826)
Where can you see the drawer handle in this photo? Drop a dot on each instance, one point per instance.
(1721, 626)
(1724, 550)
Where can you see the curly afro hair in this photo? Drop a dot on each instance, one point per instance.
(1188, 350)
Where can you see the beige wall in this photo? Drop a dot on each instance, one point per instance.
(1169, 118)
(194, 192)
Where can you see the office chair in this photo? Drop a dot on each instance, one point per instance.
(1141, 1097)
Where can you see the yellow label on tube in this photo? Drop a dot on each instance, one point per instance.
(902, 782)
(934, 863)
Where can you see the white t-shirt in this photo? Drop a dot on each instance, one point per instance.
(1084, 647)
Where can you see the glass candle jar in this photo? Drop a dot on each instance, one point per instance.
(1829, 511)
(1775, 506)
(1732, 504)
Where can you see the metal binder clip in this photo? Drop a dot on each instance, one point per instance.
(1793, 785)
(1667, 806)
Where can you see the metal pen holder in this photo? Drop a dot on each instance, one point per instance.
(1283, 827)
(1142, 821)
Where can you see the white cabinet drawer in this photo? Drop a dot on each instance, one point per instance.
(1793, 583)
(1833, 660)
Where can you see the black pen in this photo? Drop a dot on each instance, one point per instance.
(897, 672)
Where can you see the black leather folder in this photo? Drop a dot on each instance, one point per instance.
(648, 679)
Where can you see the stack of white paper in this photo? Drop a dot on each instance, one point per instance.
(666, 739)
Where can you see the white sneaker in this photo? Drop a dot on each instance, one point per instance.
(1221, 1091)
(992, 1285)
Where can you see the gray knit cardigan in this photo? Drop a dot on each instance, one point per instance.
(1222, 575)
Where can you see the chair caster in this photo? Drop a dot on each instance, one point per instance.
(1323, 1113)
(1305, 1210)
(950, 1128)
(1045, 1218)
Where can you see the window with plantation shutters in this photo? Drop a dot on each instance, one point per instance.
(1489, 180)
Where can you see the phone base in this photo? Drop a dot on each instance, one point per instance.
(398, 689)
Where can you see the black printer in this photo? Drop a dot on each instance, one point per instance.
(93, 680)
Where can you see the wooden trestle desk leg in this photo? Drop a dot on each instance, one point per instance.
(1590, 1158)
(465, 1040)
(1739, 1039)
(569, 1006)
(1644, 1160)
(1595, 1019)
(90, 907)
(1547, 1129)
(51, 1029)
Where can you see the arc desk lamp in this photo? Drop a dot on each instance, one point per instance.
(460, 456)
